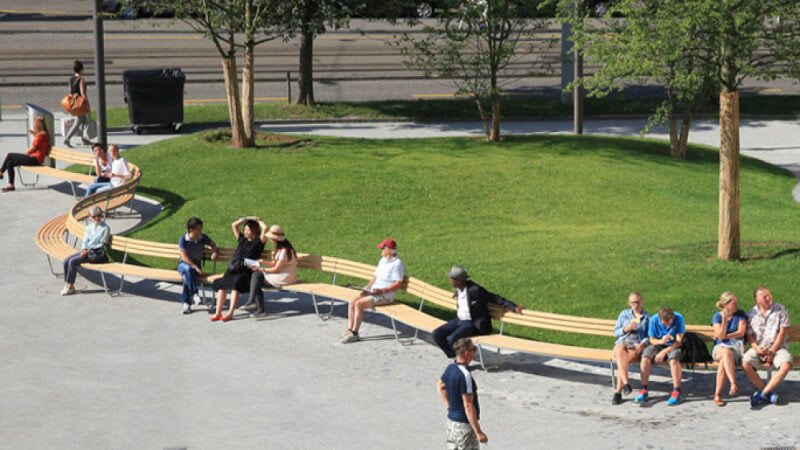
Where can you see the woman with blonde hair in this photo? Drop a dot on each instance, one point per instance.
(34, 156)
(730, 324)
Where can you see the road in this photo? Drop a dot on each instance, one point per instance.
(39, 43)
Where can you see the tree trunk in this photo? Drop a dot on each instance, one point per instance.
(305, 81)
(483, 117)
(729, 238)
(674, 139)
(683, 139)
(234, 102)
(248, 98)
(495, 136)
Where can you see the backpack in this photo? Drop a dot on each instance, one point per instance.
(694, 350)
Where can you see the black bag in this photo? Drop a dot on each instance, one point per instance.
(694, 350)
(236, 265)
(97, 255)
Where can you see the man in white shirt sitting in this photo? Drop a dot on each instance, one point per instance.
(380, 290)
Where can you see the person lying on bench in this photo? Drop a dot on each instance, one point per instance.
(282, 270)
(767, 328)
(665, 336)
(380, 290)
(631, 333)
(473, 317)
(190, 266)
(33, 156)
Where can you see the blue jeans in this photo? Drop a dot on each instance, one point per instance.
(452, 331)
(96, 187)
(189, 282)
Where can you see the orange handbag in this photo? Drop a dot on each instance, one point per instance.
(75, 104)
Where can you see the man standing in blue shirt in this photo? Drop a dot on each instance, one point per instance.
(387, 279)
(665, 338)
(459, 394)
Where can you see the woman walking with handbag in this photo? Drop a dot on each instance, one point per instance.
(34, 156)
(77, 85)
(93, 249)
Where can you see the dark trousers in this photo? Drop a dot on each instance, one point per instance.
(257, 285)
(71, 267)
(452, 331)
(16, 159)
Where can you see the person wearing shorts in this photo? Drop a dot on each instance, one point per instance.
(730, 324)
(631, 333)
(387, 279)
(459, 393)
(665, 335)
(767, 334)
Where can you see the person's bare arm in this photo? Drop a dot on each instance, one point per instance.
(443, 393)
(472, 416)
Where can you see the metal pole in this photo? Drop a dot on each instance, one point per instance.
(577, 93)
(289, 87)
(100, 71)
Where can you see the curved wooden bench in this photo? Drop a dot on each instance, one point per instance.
(67, 156)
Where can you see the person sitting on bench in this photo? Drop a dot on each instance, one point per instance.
(33, 156)
(631, 333)
(282, 270)
(665, 336)
(473, 317)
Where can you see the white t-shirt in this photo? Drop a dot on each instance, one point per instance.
(287, 275)
(463, 305)
(119, 167)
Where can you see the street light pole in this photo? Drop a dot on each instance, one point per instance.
(577, 92)
(100, 71)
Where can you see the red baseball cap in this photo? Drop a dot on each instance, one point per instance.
(388, 243)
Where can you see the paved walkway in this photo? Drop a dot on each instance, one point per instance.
(90, 371)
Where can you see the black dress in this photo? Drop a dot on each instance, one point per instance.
(240, 280)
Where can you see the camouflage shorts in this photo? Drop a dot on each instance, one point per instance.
(461, 437)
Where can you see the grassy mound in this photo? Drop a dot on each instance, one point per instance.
(567, 224)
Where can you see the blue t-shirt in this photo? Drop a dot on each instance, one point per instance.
(458, 381)
(658, 330)
(733, 325)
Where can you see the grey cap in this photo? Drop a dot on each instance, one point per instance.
(458, 273)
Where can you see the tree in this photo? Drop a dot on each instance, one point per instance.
(648, 44)
(733, 40)
(231, 25)
(310, 19)
(474, 47)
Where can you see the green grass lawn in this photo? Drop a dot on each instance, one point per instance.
(459, 108)
(567, 224)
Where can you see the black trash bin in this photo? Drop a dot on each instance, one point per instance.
(154, 97)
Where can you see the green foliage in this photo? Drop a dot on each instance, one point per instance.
(568, 224)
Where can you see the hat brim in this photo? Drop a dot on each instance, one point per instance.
(277, 237)
(458, 276)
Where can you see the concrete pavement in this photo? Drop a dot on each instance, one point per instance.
(92, 371)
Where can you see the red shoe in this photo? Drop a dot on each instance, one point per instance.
(226, 318)
(216, 318)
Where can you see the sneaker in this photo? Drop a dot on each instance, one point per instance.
(347, 333)
(773, 398)
(757, 398)
(617, 398)
(86, 141)
(641, 397)
(258, 315)
(675, 398)
(67, 144)
(352, 337)
(67, 291)
(626, 389)
(197, 300)
(250, 307)
(187, 309)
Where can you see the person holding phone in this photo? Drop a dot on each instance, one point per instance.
(631, 333)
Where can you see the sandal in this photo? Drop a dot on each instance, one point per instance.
(718, 400)
(734, 390)
(216, 317)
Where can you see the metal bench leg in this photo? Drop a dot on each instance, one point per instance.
(394, 328)
(480, 357)
(613, 375)
(50, 264)
(74, 192)
(105, 285)
(22, 181)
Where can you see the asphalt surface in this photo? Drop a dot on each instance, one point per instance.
(130, 371)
